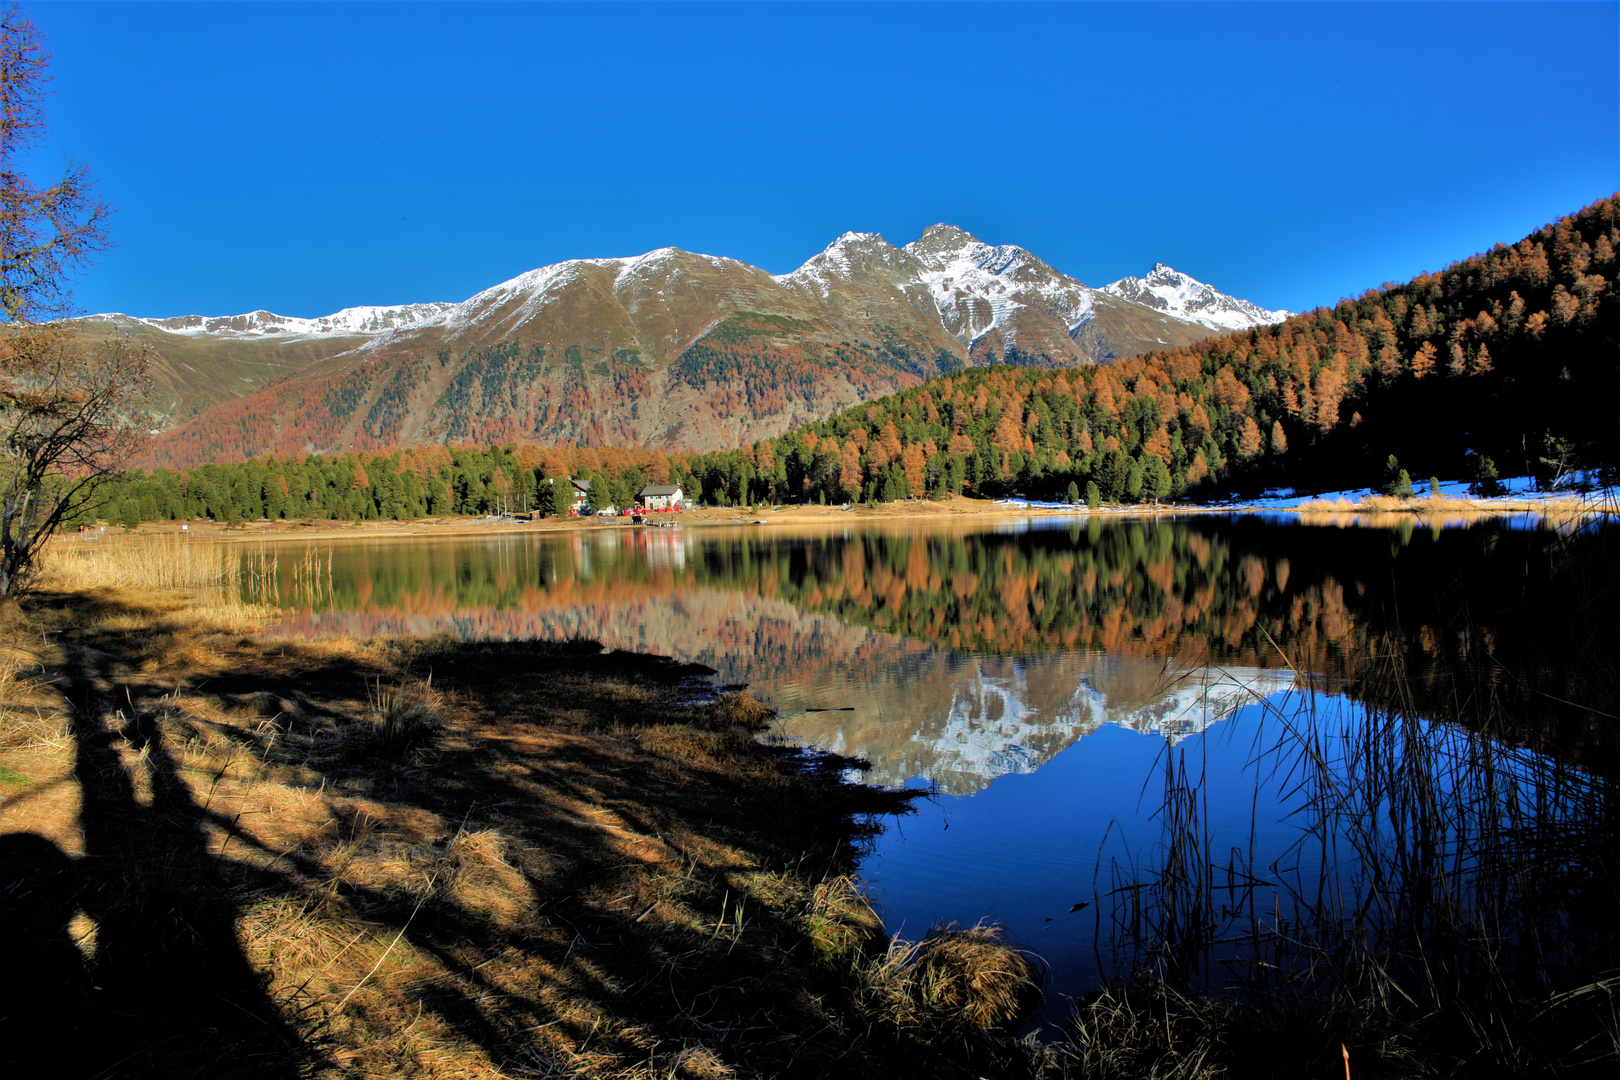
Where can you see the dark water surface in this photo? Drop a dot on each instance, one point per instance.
(1039, 678)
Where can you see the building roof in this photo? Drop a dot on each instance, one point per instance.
(583, 485)
(660, 489)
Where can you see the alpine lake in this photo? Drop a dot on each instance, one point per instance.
(1229, 749)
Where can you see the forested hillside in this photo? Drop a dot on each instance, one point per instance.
(1508, 356)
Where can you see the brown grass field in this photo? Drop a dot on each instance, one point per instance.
(227, 856)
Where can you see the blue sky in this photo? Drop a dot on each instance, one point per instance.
(305, 158)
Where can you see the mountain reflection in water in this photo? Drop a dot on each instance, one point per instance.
(961, 656)
(1042, 680)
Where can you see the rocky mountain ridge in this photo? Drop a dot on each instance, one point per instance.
(345, 323)
(1174, 293)
(669, 349)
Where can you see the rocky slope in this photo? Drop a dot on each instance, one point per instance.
(669, 349)
(1174, 293)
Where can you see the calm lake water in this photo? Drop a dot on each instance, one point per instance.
(1040, 678)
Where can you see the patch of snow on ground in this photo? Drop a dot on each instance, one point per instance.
(1516, 488)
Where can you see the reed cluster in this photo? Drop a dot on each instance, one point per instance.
(159, 562)
(406, 720)
(304, 580)
(1447, 904)
(953, 981)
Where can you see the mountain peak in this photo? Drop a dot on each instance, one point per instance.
(946, 231)
(1169, 290)
(943, 239)
(859, 241)
(852, 255)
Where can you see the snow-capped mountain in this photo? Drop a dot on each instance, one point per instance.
(1174, 293)
(978, 288)
(349, 322)
(670, 348)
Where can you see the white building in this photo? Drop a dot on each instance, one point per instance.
(662, 496)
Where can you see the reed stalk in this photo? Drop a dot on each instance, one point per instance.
(1447, 903)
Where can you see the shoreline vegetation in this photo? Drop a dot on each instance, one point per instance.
(231, 856)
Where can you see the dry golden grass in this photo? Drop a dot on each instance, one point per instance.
(597, 881)
(36, 747)
(158, 562)
(954, 979)
(208, 573)
(841, 925)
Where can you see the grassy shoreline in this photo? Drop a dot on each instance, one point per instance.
(230, 856)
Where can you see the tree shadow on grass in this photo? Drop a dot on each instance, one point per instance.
(150, 980)
(586, 873)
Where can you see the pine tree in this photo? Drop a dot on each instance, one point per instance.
(1487, 482)
(1133, 482)
(1155, 478)
(1249, 441)
(1420, 322)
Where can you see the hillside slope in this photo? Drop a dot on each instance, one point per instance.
(193, 372)
(671, 349)
(1509, 355)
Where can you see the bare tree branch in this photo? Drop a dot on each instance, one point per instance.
(46, 233)
(70, 413)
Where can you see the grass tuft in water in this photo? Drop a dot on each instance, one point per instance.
(954, 980)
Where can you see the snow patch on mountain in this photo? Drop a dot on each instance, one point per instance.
(533, 290)
(530, 291)
(350, 322)
(821, 272)
(852, 256)
(961, 269)
(1176, 294)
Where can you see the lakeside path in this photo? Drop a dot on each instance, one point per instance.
(958, 511)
